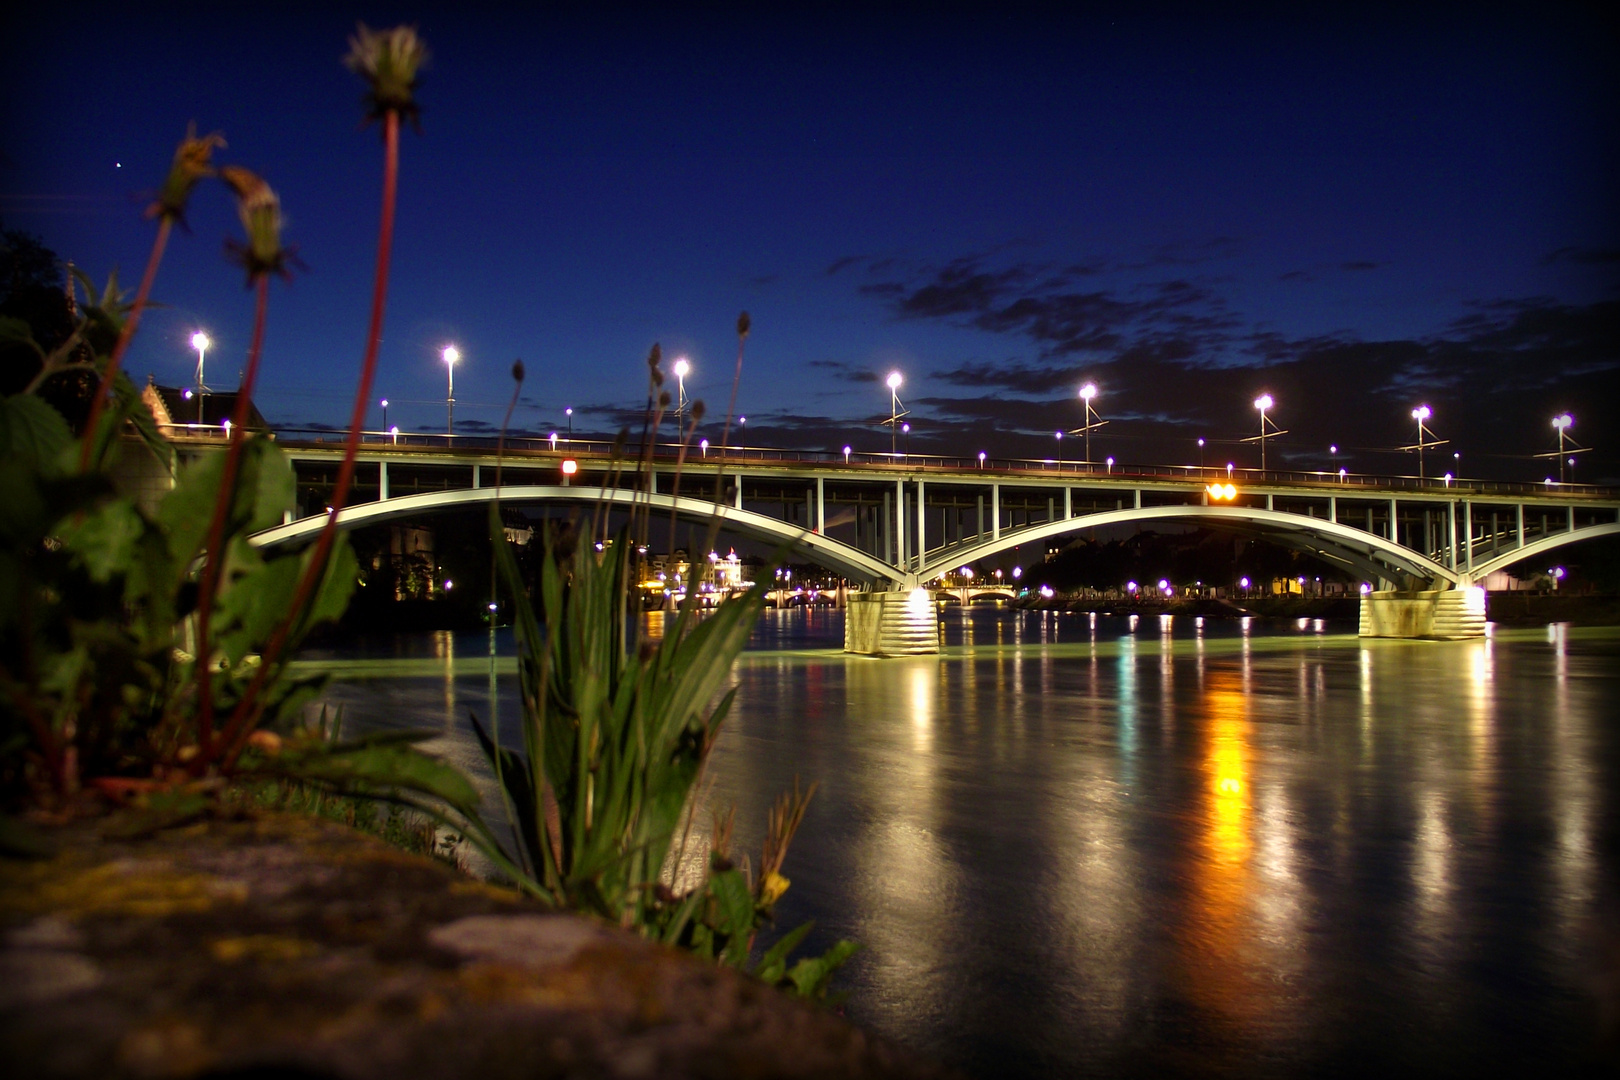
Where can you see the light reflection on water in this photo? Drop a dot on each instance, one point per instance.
(1118, 846)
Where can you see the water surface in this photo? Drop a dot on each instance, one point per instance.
(1109, 846)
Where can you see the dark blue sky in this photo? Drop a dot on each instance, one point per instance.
(1356, 214)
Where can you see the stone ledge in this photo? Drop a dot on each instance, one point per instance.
(283, 945)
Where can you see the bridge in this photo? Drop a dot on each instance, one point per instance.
(895, 522)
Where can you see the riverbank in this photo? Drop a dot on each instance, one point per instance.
(283, 945)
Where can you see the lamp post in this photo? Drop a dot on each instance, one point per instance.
(1563, 423)
(1060, 450)
(1263, 402)
(905, 429)
(742, 433)
(682, 370)
(200, 342)
(1200, 457)
(1087, 393)
(569, 412)
(385, 413)
(1421, 414)
(451, 354)
(896, 411)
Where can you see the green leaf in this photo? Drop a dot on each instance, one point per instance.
(106, 539)
(14, 331)
(735, 915)
(773, 965)
(32, 432)
(811, 976)
(382, 765)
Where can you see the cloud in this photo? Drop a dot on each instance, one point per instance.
(1175, 361)
(1584, 256)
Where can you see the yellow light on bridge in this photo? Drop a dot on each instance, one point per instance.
(1221, 492)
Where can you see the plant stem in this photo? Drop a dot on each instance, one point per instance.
(247, 710)
(99, 402)
(213, 557)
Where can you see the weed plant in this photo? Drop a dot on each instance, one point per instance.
(143, 653)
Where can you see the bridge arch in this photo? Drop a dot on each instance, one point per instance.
(1352, 547)
(1544, 545)
(847, 561)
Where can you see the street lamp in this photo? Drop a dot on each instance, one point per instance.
(1562, 422)
(451, 354)
(200, 342)
(846, 455)
(905, 429)
(981, 459)
(385, 413)
(682, 370)
(569, 412)
(1200, 456)
(1087, 393)
(1426, 437)
(896, 410)
(742, 433)
(1060, 449)
(1267, 428)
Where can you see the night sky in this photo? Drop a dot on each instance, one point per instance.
(1355, 215)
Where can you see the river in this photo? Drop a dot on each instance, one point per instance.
(1092, 845)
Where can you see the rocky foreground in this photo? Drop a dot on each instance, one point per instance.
(284, 945)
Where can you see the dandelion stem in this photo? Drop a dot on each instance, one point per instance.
(99, 402)
(213, 557)
(247, 710)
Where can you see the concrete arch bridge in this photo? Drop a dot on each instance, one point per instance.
(894, 525)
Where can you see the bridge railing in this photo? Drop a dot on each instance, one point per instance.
(1327, 482)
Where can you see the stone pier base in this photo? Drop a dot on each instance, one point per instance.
(891, 624)
(1440, 614)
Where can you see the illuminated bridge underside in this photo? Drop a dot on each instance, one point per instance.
(1371, 557)
(848, 561)
(1542, 547)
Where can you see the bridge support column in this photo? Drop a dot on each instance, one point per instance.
(476, 484)
(895, 622)
(1451, 533)
(1468, 530)
(821, 507)
(900, 523)
(922, 524)
(382, 481)
(1394, 522)
(995, 511)
(1068, 502)
(1520, 511)
(1440, 615)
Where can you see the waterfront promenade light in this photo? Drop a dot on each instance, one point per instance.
(450, 355)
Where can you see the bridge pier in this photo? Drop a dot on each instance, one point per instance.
(894, 622)
(1435, 614)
